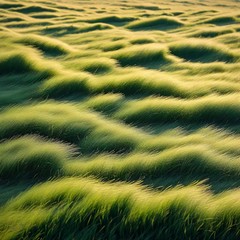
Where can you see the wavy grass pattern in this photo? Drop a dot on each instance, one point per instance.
(119, 120)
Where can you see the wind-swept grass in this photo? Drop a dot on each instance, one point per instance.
(31, 157)
(141, 56)
(210, 109)
(16, 63)
(111, 19)
(93, 93)
(34, 9)
(186, 161)
(70, 123)
(119, 210)
(20, 62)
(160, 23)
(202, 52)
(61, 86)
(94, 66)
(224, 20)
(47, 45)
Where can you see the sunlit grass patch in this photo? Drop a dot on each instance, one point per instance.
(137, 210)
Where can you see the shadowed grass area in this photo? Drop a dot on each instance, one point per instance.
(62, 86)
(140, 82)
(16, 63)
(190, 161)
(20, 62)
(95, 27)
(105, 102)
(47, 45)
(160, 23)
(222, 20)
(34, 9)
(31, 157)
(111, 19)
(202, 52)
(61, 30)
(210, 109)
(94, 66)
(211, 33)
(107, 47)
(10, 5)
(91, 131)
(141, 56)
(142, 40)
(88, 208)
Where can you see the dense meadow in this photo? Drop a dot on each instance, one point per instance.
(120, 119)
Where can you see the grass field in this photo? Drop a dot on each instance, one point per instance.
(120, 119)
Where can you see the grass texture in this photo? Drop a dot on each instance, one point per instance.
(119, 120)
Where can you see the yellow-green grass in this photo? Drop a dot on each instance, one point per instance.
(31, 157)
(156, 23)
(209, 109)
(86, 208)
(119, 119)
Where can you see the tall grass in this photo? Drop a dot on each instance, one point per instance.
(31, 157)
(186, 161)
(88, 209)
(209, 109)
(93, 93)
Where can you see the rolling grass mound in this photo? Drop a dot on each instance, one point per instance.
(122, 205)
(113, 46)
(140, 83)
(17, 63)
(212, 33)
(202, 52)
(59, 86)
(186, 161)
(210, 109)
(60, 30)
(14, 63)
(95, 27)
(112, 19)
(89, 130)
(31, 157)
(99, 66)
(161, 23)
(11, 19)
(34, 9)
(142, 40)
(222, 20)
(10, 5)
(141, 56)
(47, 45)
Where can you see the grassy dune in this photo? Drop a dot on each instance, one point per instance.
(119, 120)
